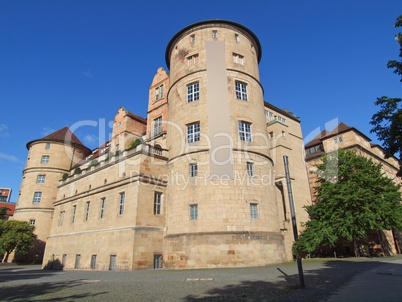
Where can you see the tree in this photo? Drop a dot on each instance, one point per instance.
(15, 235)
(353, 199)
(387, 122)
(3, 212)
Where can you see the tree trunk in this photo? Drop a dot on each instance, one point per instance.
(6, 257)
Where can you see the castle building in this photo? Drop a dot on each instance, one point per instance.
(346, 137)
(199, 183)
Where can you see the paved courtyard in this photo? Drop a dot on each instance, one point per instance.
(349, 279)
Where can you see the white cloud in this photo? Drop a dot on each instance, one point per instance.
(4, 130)
(11, 158)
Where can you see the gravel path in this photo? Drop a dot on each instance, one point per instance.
(324, 278)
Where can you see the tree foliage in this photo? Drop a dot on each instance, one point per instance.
(3, 212)
(15, 235)
(353, 199)
(387, 122)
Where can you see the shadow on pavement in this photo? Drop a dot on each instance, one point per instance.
(320, 284)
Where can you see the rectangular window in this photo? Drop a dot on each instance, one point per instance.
(245, 131)
(32, 222)
(192, 60)
(47, 147)
(87, 206)
(250, 169)
(77, 261)
(159, 93)
(193, 92)
(193, 132)
(158, 263)
(254, 211)
(193, 170)
(157, 203)
(241, 91)
(192, 38)
(93, 261)
(239, 59)
(40, 179)
(74, 212)
(102, 208)
(157, 126)
(61, 218)
(45, 159)
(64, 260)
(237, 38)
(215, 34)
(121, 204)
(37, 197)
(194, 211)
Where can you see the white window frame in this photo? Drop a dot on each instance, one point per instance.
(47, 147)
(193, 132)
(158, 203)
(241, 91)
(238, 59)
(45, 159)
(245, 131)
(193, 92)
(254, 210)
(157, 129)
(193, 60)
(193, 211)
(41, 179)
(32, 222)
(159, 93)
(37, 197)
(193, 169)
(250, 169)
(121, 203)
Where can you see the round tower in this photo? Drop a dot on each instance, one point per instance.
(221, 203)
(48, 159)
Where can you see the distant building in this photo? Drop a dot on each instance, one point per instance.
(10, 209)
(346, 137)
(199, 183)
(5, 194)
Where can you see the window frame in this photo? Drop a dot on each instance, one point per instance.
(37, 197)
(157, 126)
(87, 208)
(245, 131)
(193, 92)
(193, 169)
(40, 179)
(32, 222)
(45, 159)
(121, 203)
(254, 210)
(74, 213)
(193, 211)
(241, 91)
(193, 132)
(158, 203)
(250, 169)
(102, 208)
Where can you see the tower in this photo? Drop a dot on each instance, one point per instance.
(220, 212)
(48, 159)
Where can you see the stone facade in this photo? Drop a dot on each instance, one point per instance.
(200, 183)
(346, 137)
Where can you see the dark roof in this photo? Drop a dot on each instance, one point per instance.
(63, 135)
(317, 140)
(208, 22)
(137, 117)
(341, 128)
(285, 112)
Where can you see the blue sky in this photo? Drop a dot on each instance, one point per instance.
(65, 62)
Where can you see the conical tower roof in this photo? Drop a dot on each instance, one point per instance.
(65, 136)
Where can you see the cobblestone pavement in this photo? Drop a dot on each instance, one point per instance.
(349, 279)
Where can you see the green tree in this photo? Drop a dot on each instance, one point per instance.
(3, 212)
(387, 122)
(353, 199)
(15, 235)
